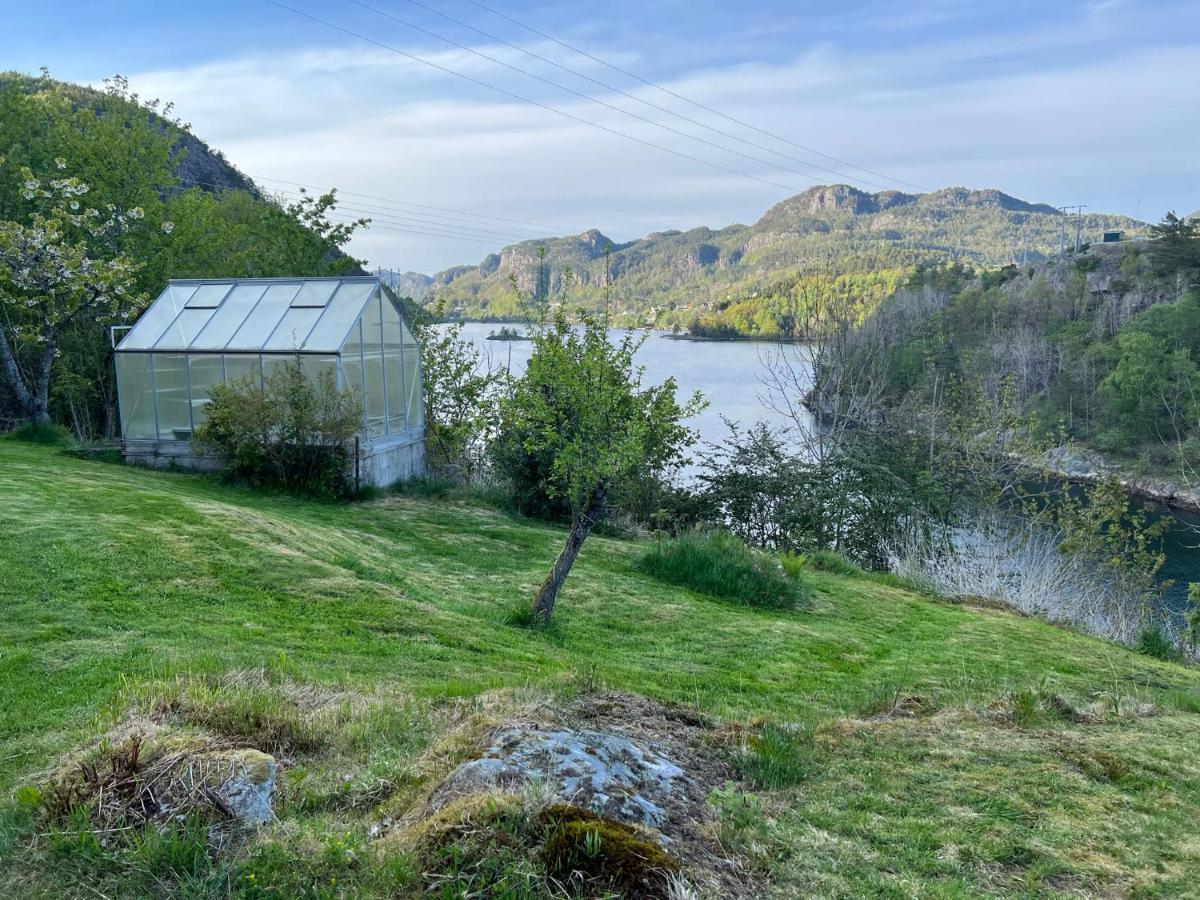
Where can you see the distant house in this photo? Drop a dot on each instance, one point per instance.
(200, 333)
(1113, 237)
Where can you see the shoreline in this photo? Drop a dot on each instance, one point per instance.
(1082, 465)
(660, 332)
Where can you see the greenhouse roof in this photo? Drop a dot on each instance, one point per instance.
(251, 315)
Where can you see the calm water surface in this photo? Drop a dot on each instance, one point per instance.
(728, 374)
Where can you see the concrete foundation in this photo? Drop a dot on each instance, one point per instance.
(169, 455)
(381, 463)
(385, 461)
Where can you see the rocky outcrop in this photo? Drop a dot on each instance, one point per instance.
(610, 774)
(633, 773)
(1084, 466)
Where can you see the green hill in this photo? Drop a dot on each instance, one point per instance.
(930, 749)
(829, 238)
(198, 218)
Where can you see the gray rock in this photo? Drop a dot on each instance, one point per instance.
(607, 773)
(245, 781)
(1076, 462)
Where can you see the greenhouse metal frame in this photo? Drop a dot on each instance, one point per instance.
(204, 332)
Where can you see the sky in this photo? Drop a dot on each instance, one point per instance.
(462, 126)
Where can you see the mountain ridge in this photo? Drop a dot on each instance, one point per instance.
(835, 231)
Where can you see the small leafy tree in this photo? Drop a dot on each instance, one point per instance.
(1191, 621)
(291, 431)
(582, 408)
(460, 392)
(1120, 539)
(57, 270)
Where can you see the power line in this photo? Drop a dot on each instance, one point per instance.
(397, 229)
(608, 87)
(688, 100)
(392, 219)
(530, 101)
(441, 209)
(427, 229)
(492, 232)
(402, 218)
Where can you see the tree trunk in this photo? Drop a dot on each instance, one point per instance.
(20, 391)
(34, 399)
(40, 412)
(543, 603)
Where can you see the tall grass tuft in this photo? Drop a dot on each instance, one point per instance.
(832, 562)
(720, 565)
(47, 435)
(778, 756)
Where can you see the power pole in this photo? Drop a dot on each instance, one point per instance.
(1062, 231)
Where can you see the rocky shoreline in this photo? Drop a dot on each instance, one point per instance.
(1084, 466)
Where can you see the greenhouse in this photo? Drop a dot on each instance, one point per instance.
(200, 333)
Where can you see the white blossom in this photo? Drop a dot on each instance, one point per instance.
(168, 227)
(60, 162)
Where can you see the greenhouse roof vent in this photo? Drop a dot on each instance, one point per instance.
(252, 315)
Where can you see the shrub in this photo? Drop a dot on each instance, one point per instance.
(460, 391)
(720, 565)
(292, 431)
(793, 563)
(430, 487)
(1153, 641)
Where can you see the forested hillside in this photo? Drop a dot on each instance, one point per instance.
(830, 243)
(73, 159)
(1099, 347)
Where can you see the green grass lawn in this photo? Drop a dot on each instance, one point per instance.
(116, 581)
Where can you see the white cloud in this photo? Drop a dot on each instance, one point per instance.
(1105, 131)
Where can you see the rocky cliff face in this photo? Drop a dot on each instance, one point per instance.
(202, 166)
(406, 284)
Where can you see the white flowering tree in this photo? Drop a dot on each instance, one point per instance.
(58, 268)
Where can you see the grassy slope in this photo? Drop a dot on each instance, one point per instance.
(113, 577)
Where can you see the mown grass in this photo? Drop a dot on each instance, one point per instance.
(123, 588)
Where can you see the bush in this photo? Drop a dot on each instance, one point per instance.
(793, 563)
(1153, 641)
(292, 432)
(720, 565)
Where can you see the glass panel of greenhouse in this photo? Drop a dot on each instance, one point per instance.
(202, 333)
